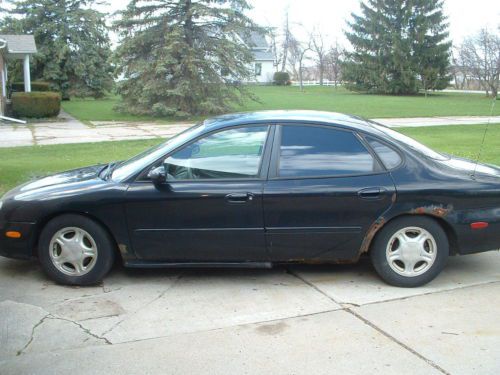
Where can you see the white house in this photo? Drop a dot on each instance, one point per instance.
(15, 47)
(263, 64)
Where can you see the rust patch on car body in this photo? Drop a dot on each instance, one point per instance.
(439, 211)
(433, 210)
(375, 227)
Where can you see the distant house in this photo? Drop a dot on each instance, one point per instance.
(263, 64)
(15, 47)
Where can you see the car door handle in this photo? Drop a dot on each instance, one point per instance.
(371, 193)
(239, 197)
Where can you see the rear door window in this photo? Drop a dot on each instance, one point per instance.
(316, 151)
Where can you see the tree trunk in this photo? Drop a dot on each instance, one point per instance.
(300, 76)
(494, 92)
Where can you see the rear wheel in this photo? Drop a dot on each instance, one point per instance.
(410, 251)
(75, 250)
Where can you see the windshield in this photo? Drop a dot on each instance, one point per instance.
(139, 162)
(410, 142)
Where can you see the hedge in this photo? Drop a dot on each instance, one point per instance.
(282, 79)
(35, 86)
(36, 104)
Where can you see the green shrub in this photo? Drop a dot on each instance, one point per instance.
(282, 79)
(36, 104)
(35, 86)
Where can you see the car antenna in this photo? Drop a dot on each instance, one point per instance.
(484, 137)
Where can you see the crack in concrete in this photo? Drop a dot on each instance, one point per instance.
(86, 330)
(143, 306)
(86, 296)
(39, 323)
(53, 317)
(372, 325)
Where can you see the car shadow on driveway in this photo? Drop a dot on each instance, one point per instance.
(354, 284)
(477, 268)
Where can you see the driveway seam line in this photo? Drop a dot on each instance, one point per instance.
(372, 325)
(225, 327)
(423, 294)
(397, 341)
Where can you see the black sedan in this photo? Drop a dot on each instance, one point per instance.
(256, 189)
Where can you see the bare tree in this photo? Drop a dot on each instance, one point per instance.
(319, 49)
(480, 55)
(333, 63)
(457, 71)
(280, 44)
(277, 55)
(286, 42)
(298, 52)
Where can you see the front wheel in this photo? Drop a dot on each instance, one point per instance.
(75, 250)
(410, 251)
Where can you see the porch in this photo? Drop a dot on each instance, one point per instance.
(15, 47)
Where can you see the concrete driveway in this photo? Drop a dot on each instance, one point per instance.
(288, 320)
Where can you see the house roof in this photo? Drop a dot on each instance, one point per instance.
(263, 55)
(19, 43)
(258, 44)
(255, 40)
(258, 40)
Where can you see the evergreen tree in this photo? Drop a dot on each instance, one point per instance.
(72, 41)
(400, 46)
(183, 57)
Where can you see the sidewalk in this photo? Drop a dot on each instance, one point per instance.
(70, 130)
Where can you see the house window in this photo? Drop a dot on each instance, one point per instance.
(258, 69)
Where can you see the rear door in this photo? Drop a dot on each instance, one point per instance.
(325, 189)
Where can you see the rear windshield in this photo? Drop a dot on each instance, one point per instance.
(410, 142)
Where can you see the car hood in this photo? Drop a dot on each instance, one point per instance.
(59, 179)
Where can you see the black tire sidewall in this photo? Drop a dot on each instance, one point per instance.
(104, 243)
(378, 251)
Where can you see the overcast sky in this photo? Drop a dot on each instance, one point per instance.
(329, 16)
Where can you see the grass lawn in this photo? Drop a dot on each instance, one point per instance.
(19, 164)
(316, 98)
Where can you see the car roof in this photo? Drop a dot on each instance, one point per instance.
(327, 118)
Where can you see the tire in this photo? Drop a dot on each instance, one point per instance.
(75, 250)
(410, 251)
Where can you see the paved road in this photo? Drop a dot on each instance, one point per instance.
(296, 320)
(70, 130)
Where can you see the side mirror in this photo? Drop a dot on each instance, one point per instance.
(158, 175)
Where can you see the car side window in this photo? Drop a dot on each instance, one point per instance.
(233, 153)
(314, 151)
(389, 157)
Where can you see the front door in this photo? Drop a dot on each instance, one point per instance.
(325, 189)
(210, 208)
